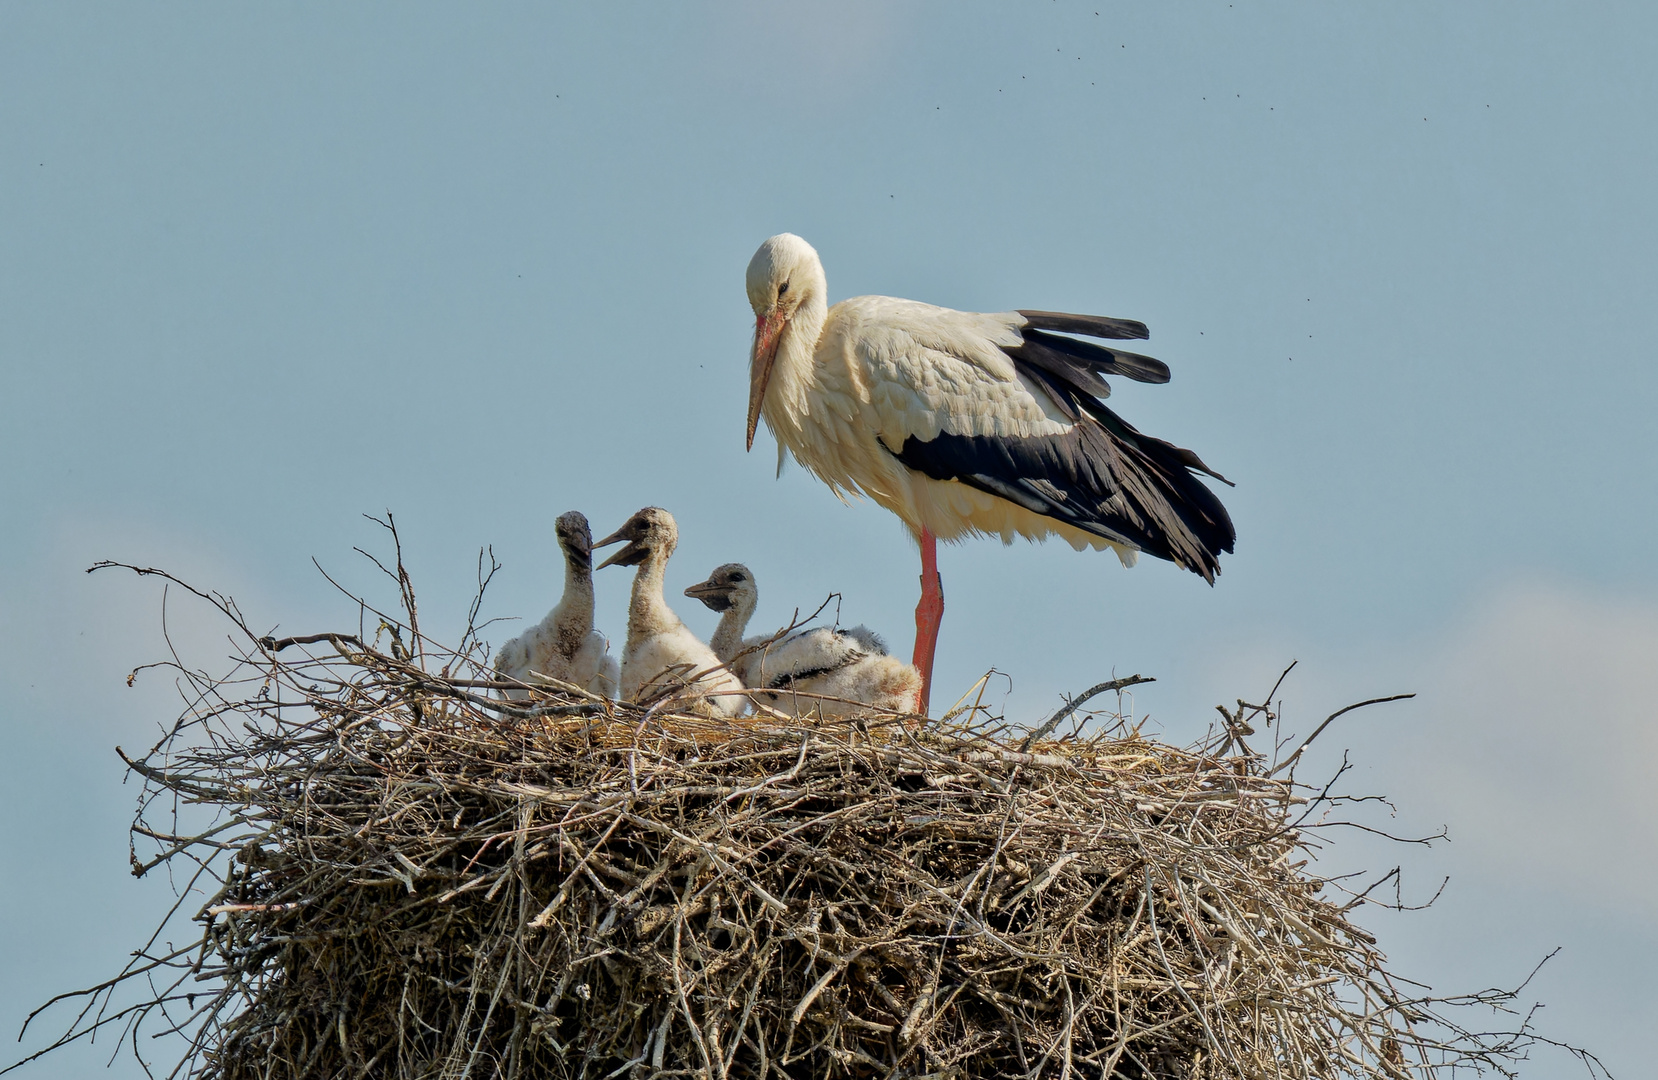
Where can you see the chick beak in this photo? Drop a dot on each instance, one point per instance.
(768, 330)
(714, 595)
(633, 553)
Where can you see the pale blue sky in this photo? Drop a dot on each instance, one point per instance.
(261, 272)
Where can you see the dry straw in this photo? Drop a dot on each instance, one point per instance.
(406, 876)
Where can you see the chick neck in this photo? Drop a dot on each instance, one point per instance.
(573, 617)
(648, 612)
(727, 641)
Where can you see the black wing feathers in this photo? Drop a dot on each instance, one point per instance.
(1102, 476)
(1047, 476)
(1089, 325)
(1082, 362)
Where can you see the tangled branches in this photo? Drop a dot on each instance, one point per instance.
(410, 876)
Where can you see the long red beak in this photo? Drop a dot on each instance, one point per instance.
(767, 330)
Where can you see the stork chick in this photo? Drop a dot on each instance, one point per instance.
(852, 665)
(660, 651)
(564, 645)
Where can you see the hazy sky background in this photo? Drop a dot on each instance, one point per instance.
(264, 271)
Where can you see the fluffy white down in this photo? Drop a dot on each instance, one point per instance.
(535, 653)
(672, 655)
(834, 673)
(876, 370)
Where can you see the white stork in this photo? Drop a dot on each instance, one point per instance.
(564, 645)
(837, 671)
(969, 424)
(660, 651)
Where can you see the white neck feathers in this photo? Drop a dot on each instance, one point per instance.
(573, 617)
(727, 641)
(648, 612)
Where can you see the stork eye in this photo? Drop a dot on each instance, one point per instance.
(783, 288)
(737, 577)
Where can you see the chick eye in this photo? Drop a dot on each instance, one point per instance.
(737, 577)
(783, 288)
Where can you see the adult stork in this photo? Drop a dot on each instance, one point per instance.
(968, 424)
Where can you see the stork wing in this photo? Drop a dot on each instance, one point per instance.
(1028, 426)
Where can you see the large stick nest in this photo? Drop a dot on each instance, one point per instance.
(408, 876)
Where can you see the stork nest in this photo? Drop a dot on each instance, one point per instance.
(409, 876)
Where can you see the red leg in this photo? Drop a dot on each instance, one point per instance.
(929, 613)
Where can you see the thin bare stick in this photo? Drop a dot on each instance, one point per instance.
(1072, 704)
(1308, 741)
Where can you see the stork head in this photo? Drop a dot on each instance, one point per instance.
(783, 275)
(649, 532)
(729, 586)
(575, 538)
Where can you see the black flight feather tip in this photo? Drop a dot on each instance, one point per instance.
(1083, 362)
(1088, 325)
